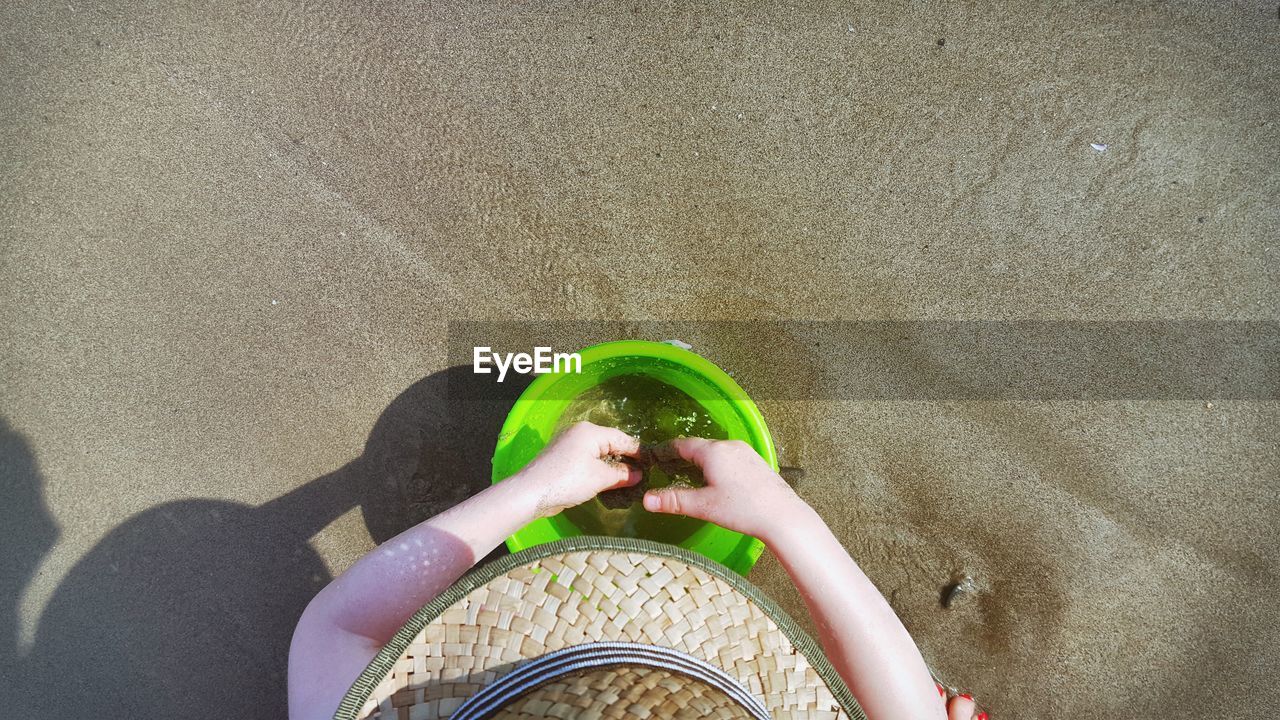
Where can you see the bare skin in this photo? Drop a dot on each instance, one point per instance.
(860, 633)
(348, 621)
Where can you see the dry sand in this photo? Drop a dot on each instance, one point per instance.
(232, 239)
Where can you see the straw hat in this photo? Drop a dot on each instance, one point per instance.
(602, 628)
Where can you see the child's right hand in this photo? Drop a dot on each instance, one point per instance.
(742, 493)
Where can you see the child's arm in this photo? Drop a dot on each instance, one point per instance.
(348, 621)
(862, 636)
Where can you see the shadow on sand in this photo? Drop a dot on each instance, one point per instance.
(186, 610)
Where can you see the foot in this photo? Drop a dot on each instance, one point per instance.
(961, 706)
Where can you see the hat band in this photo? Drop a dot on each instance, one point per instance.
(589, 656)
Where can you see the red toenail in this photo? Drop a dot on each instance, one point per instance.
(982, 715)
(942, 692)
(966, 696)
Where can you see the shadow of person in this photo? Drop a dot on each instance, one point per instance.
(27, 532)
(187, 609)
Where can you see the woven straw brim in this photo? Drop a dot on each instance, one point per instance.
(591, 589)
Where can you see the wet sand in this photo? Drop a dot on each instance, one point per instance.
(233, 239)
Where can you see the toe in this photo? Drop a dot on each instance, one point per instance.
(961, 707)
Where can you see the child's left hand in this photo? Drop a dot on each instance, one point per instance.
(573, 468)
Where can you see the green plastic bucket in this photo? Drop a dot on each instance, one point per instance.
(533, 420)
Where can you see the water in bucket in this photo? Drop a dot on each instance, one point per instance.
(654, 412)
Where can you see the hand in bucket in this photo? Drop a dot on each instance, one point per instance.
(742, 492)
(579, 463)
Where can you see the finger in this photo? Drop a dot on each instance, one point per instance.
(691, 449)
(677, 501)
(613, 441)
(961, 707)
(623, 475)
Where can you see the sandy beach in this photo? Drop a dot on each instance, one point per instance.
(234, 239)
